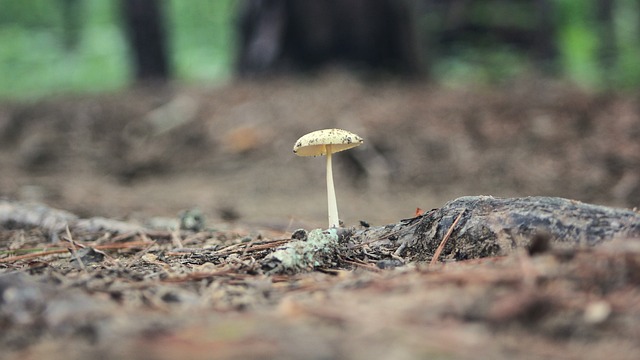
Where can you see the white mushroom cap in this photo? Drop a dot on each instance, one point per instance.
(315, 143)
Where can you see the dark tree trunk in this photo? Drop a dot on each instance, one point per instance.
(607, 52)
(144, 23)
(306, 35)
(71, 15)
(545, 49)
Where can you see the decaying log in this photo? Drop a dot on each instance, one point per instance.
(54, 221)
(492, 226)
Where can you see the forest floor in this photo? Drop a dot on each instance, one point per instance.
(147, 156)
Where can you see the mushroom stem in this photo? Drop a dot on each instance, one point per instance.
(334, 221)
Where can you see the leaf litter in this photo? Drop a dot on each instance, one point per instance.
(198, 293)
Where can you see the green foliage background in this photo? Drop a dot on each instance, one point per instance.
(36, 62)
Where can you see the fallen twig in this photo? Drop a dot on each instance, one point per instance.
(73, 250)
(436, 255)
(362, 265)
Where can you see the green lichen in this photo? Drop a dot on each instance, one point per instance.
(318, 250)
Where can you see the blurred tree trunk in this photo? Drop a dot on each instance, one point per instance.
(144, 24)
(545, 50)
(456, 24)
(607, 52)
(71, 13)
(278, 35)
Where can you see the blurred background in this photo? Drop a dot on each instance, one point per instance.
(141, 108)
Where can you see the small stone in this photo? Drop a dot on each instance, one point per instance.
(150, 258)
(597, 312)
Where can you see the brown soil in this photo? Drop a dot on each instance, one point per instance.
(146, 155)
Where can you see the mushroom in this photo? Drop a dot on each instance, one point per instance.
(327, 142)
